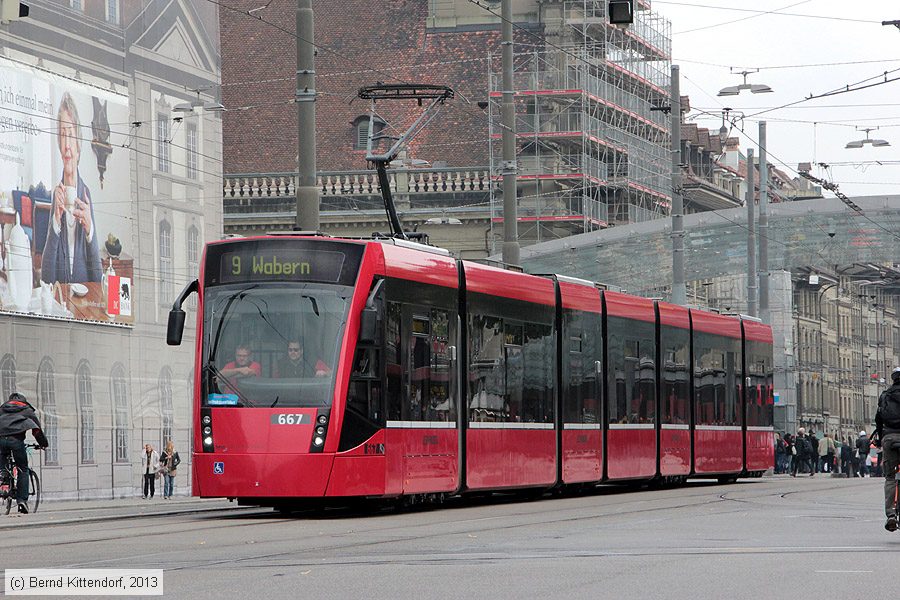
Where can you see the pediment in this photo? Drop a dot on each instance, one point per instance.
(175, 45)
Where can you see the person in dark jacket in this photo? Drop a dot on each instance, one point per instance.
(16, 418)
(804, 454)
(887, 434)
(847, 459)
(862, 449)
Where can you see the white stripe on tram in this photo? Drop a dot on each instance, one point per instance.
(421, 425)
(718, 428)
(632, 426)
(760, 428)
(488, 425)
(591, 426)
(684, 426)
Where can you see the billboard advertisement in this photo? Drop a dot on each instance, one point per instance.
(65, 198)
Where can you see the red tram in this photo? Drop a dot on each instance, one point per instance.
(421, 375)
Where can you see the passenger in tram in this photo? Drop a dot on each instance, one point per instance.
(243, 365)
(296, 364)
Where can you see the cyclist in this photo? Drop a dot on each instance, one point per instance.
(16, 418)
(887, 432)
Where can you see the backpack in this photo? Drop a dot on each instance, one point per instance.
(806, 447)
(889, 407)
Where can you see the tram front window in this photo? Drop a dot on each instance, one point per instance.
(272, 344)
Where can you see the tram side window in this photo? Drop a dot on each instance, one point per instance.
(393, 360)
(513, 408)
(632, 371)
(581, 348)
(442, 406)
(539, 373)
(760, 402)
(420, 370)
(675, 376)
(487, 382)
(573, 367)
(716, 384)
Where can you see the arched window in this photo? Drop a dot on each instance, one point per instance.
(46, 389)
(7, 376)
(85, 398)
(165, 405)
(166, 271)
(119, 393)
(361, 131)
(193, 259)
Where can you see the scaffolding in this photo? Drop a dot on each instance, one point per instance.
(591, 149)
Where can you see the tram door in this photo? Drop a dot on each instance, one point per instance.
(428, 431)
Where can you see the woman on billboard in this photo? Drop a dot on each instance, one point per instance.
(72, 253)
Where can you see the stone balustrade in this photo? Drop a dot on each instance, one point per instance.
(242, 189)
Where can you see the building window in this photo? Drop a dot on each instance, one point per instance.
(162, 143)
(77, 4)
(120, 411)
(165, 405)
(85, 397)
(193, 150)
(7, 376)
(361, 129)
(166, 271)
(112, 11)
(193, 260)
(46, 390)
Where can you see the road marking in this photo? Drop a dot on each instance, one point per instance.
(844, 571)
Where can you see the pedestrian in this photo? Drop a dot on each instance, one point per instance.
(862, 448)
(805, 454)
(826, 453)
(847, 459)
(150, 464)
(780, 449)
(169, 461)
(887, 435)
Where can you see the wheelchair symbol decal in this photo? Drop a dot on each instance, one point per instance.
(218, 468)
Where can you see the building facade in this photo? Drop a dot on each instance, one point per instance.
(110, 182)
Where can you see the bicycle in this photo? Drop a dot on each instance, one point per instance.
(9, 473)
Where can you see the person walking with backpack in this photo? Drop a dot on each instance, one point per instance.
(887, 434)
(805, 453)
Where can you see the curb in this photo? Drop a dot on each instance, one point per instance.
(101, 518)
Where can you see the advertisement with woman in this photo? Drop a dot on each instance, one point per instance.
(65, 184)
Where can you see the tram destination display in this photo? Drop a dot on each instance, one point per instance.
(273, 261)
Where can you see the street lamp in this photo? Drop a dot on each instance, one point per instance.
(755, 88)
(868, 140)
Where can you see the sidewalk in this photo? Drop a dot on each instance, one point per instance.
(59, 512)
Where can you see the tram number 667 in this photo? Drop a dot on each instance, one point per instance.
(289, 419)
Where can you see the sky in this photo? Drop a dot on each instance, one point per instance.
(796, 54)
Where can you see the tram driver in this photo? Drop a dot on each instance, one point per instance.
(297, 364)
(242, 366)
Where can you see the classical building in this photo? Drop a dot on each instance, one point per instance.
(107, 107)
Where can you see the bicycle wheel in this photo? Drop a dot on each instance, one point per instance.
(34, 490)
(9, 500)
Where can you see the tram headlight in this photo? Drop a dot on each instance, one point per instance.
(207, 430)
(207, 420)
(320, 430)
(322, 419)
(207, 441)
(319, 440)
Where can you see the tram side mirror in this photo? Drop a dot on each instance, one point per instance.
(176, 327)
(368, 326)
(176, 316)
